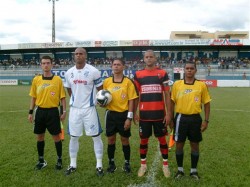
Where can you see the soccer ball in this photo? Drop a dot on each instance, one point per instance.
(103, 97)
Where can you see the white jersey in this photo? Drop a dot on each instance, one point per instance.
(83, 83)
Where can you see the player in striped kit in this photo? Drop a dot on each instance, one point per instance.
(152, 84)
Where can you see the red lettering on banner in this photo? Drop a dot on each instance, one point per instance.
(210, 83)
(140, 42)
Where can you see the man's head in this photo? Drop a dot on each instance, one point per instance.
(80, 55)
(118, 65)
(149, 58)
(190, 69)
(46, 63)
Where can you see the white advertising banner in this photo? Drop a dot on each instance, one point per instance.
(8, 82)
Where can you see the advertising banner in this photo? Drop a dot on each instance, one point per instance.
(8, 82)
(210, 83)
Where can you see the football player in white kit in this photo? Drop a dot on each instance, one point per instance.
(82, 82)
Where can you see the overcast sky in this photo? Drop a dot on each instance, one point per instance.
(30, 21)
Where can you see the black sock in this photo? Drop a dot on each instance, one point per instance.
(126, 152)
(194, 159)
(40, 149)
(111, 153)
(179, 158)
(59, 149)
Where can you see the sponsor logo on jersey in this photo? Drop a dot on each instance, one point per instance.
(153, 88)
(80, 82)
(187, 91)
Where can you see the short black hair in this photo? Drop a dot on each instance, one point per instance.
(120, 59)
(47, 57)
(190, 62)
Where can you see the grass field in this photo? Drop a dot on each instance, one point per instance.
(224, 158)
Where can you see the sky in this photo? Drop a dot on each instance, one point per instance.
(30, 21)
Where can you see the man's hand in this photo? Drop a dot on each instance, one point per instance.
(204, 126)
(30, 118)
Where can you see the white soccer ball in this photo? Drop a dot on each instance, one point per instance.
(104, 97)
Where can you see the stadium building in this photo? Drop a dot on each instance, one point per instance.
(219, 55)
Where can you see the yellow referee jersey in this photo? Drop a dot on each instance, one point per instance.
(121, 92)
(47, 91)
(189, 98)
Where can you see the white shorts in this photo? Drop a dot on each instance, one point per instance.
(86, 119)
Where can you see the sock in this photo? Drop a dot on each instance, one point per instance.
(163, 149)
(143, 148)
(180, 169)
(98, 148)
(40, 150)
(165, 162)
(193, 170)
(73, 150)
(194, 159)
(111, 153)
(179, 158)
(126, 152)
(59, 149)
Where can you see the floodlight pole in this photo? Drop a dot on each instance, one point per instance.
(53, 20)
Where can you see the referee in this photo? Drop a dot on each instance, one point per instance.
(187, 97)
(46, 93)
(119, 113)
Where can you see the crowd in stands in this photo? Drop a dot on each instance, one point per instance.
(135, 63)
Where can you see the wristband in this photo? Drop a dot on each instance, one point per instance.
(206, 121)
(30, 111)
(130, 115)
(64, 111)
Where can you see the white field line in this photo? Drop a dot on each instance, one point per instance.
(13, 111)
(150, 173)
(227, 110)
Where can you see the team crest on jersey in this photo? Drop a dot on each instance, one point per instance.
(123, 96)
(196, 99)
(72, 75)
(159, 75)
(86, 74)
(52, 93)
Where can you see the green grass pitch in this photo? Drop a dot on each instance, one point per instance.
(224, 157)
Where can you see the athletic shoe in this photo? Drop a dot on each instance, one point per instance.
(179, 174)
(111, 168)
(99, 172)
(166, 171)
(142, 170)
(59, 164)
(126, 168)
(195, 176)
(41, 165)
(70, 170)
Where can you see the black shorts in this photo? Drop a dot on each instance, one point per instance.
(47, 118)
(146, 127)
(115, 123)
(187, 126)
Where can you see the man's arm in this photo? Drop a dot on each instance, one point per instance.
(32, 106)
(168, 107)
(207, 114)
(63, 114)
(69, 91)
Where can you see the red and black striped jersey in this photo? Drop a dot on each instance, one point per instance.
(151, 86)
